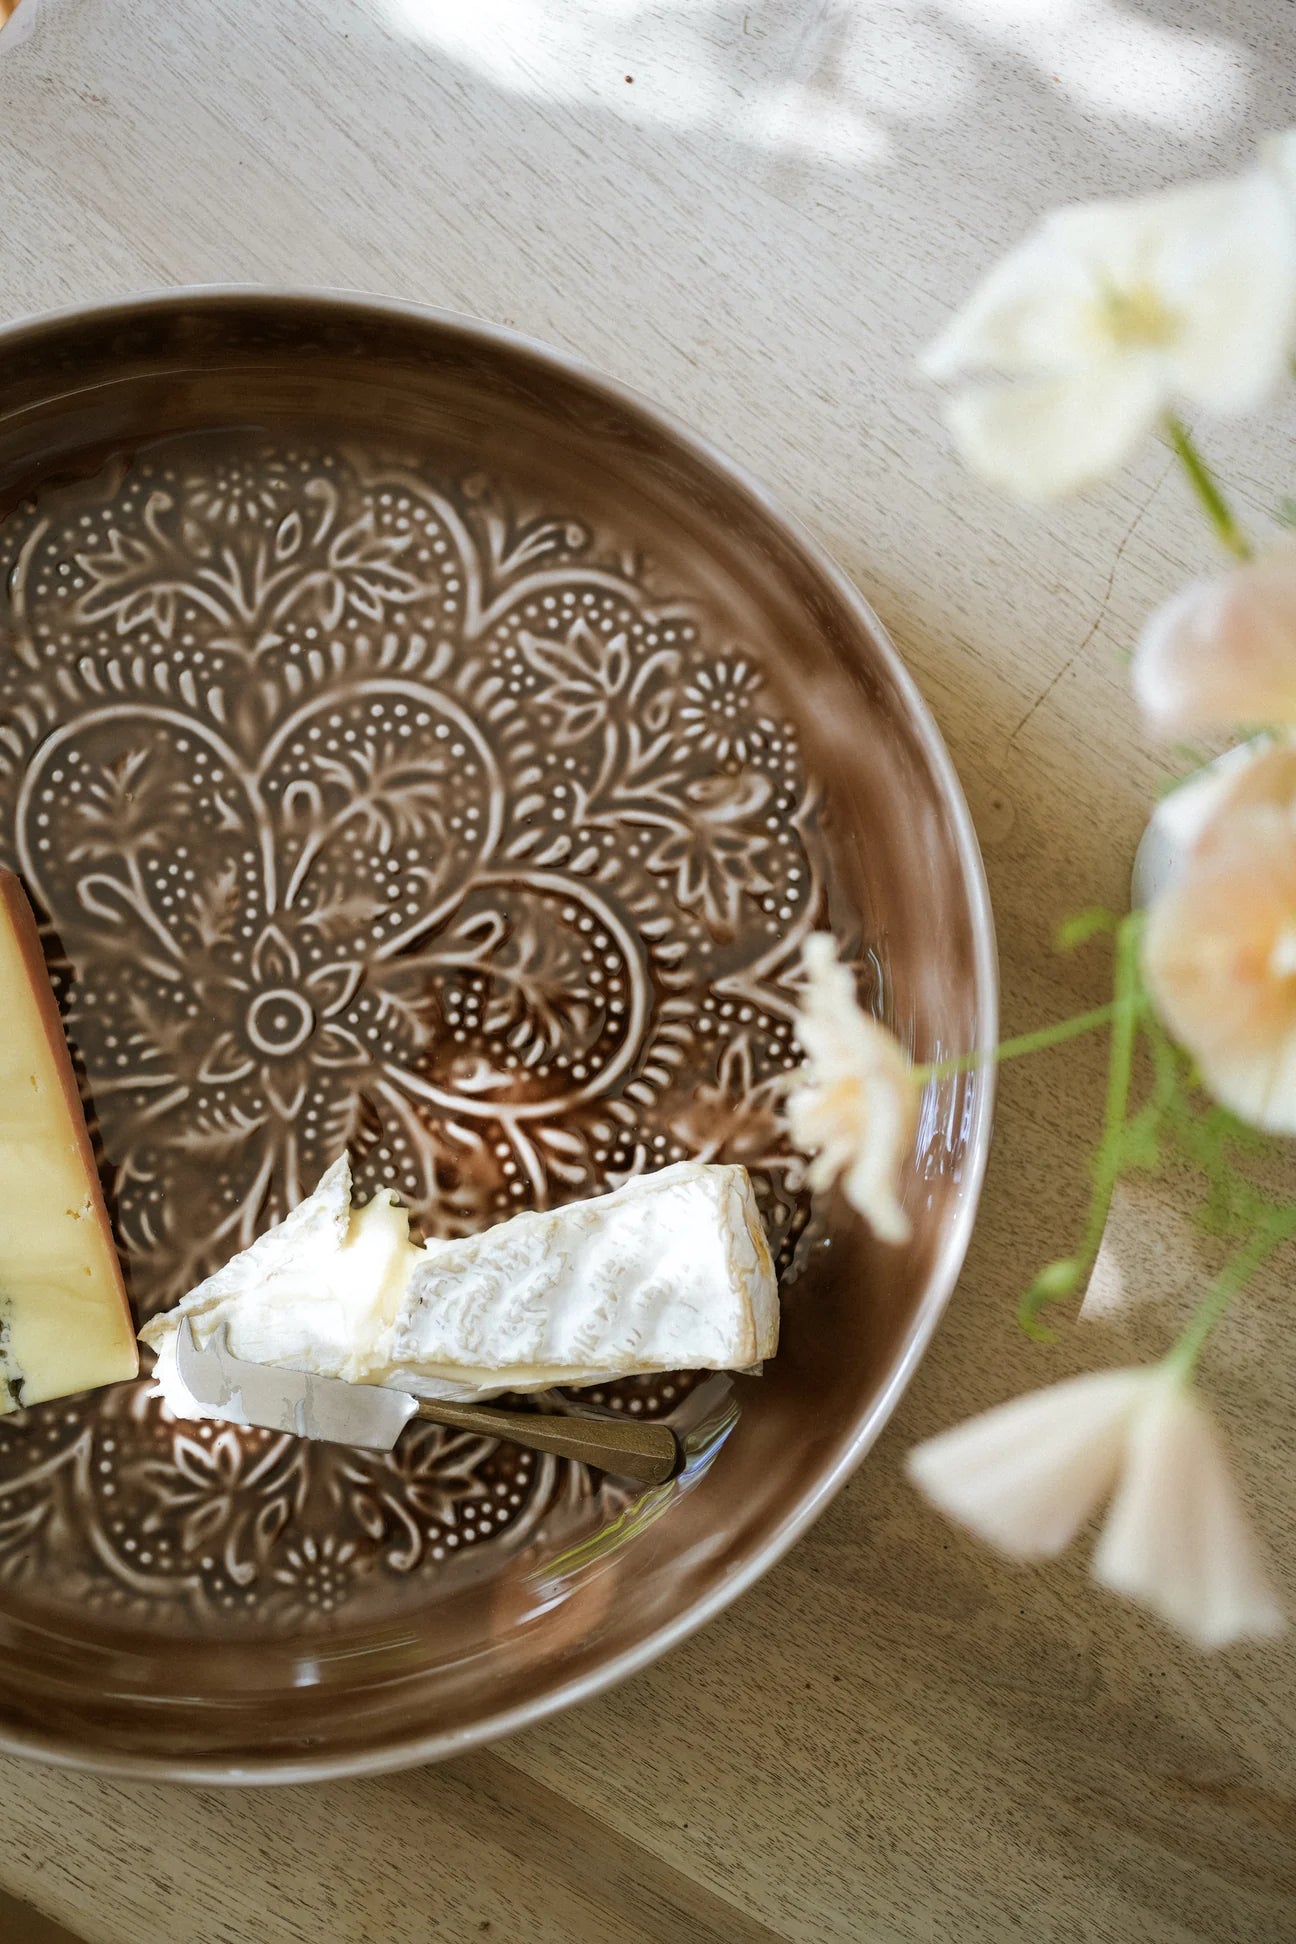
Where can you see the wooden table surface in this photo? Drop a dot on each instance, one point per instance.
(755, 213)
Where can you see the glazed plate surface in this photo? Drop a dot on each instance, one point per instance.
(416, 745)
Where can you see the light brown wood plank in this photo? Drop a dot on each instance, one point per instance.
(473, 1848)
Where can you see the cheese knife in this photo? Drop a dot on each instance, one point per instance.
(371, 1416)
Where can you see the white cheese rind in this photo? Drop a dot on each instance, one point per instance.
(669, 1272)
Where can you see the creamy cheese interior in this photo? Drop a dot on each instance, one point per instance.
(670, 1272)
(65, 1325)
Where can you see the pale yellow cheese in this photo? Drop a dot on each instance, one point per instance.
(65, 1323)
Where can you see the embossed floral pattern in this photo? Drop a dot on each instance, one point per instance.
(223, 1492)
(718, 710)
(370, 810)
(318, 1575)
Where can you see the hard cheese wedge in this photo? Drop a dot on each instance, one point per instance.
(64, 1321)
(670, 1272)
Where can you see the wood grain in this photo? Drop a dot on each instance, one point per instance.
(21, 1924)
(892, 1737)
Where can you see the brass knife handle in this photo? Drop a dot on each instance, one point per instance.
(650, 1453)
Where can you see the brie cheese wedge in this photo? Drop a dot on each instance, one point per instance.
(670, 1272)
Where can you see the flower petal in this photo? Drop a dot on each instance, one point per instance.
(1028, 1474)
(1227, 269)
(1259, 772)
(855, 1108)
(332, 987)
(337, 1046)
(225, 1061)
(1223, 651)
(1042, 440)
(1029, 316)
(1177, 1538)
(274, 962)
(1216, 957)
(286, 1090)
(1278, 156)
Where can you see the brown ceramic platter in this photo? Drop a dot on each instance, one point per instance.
(413, 743)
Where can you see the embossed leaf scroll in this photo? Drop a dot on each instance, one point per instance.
(370, 811)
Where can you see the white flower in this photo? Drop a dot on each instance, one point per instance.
(1177, 1538)
(1278, 154)
(1029, 1474)
(1111, 312)
(856, 1105)
(1223, 651)
(1219, 952)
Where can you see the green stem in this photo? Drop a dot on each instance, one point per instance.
(1206, 487)
(1014, 1049)
(1126, 1006)
(1062, 1278)
(1270, 1235)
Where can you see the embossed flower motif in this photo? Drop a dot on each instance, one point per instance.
(716, 712)
(733, 1117)
(125, 804)
(233, 495)
(361, 798)
(225, 1498)
(284, 1023)
(423, 1483)
(588, 673)
(318, 1573)
(250, 582)
(714, 854)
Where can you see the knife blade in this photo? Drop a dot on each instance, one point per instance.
(372, 1417)
(326, 1408)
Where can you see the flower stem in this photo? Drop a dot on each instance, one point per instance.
(1206, 487)
(1062, 1278)
(1014, 1049)
(1126, 1007)
(1269, 1235)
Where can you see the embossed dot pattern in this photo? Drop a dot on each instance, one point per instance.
(372, 808)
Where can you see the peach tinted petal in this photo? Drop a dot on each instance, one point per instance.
(1222, 653)
(1027, 1475)
(1218, 962)
(855, 1107)
(1177, 1538)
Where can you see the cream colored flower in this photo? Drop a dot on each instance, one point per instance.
(1110, 313)
(854, 1106)
(1261, 771)
(1278, 154)
(1177, 1538)
(1029, 1474)
(1219, 955)
(1223, 651)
